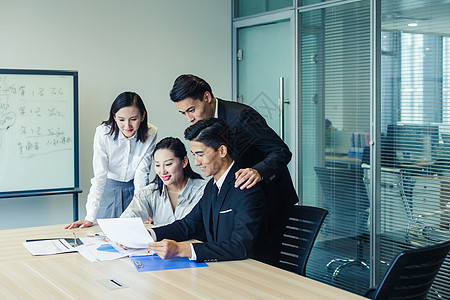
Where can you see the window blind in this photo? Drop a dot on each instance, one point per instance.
(415, 181)
(334, 85)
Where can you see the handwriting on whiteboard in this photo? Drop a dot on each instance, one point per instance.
(36, 117)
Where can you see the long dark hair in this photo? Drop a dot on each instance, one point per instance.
(179, 151)
(123, 100)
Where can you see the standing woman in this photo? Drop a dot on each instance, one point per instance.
(123, 148)
(175, 190)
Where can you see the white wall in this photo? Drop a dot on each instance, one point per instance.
(138, 45)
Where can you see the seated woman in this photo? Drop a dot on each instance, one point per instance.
(175, 190)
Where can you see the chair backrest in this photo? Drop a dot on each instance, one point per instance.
(298, 237)
(411, 273)
(345, 197)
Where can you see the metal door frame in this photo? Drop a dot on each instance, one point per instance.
(273, 17)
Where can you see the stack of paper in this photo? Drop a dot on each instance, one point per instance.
(129, 232)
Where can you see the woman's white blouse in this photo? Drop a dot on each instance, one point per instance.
(148, 203)
(122, 159)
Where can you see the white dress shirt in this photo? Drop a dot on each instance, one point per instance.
(148, 203)
(221, 180)
(216, 110)
(121, 159)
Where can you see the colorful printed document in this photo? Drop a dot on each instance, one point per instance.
(94, 252)
(98, 249)
(156, 263)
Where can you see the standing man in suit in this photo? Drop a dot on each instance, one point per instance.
(230, 218)
(256, 146)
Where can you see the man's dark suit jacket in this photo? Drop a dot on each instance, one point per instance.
(257, 146)
(236, 221)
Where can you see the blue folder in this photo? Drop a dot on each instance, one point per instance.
(155, 263)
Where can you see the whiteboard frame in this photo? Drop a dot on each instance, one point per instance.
(75, 189)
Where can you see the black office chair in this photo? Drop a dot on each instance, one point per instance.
(345, 197)
(298, 237)
(411, 273)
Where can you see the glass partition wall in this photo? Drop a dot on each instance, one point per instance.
(415, 149)
(335, 100)
(252, 7)
(336, 156)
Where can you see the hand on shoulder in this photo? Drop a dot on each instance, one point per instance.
(247, 178)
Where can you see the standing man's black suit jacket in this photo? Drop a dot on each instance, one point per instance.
(236, 218)
(257, 146)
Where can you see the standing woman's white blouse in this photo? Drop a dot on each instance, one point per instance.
(148, 203)
(122, 159)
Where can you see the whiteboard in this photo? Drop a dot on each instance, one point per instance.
(38, 130)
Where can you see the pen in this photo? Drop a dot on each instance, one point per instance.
(75, 239)
(96, 235)
(115, 282)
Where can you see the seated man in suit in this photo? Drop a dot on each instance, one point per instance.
(258, 150)
(229, 218)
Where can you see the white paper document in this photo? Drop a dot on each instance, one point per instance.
(129, 232)
(97, 249)
(48, 247)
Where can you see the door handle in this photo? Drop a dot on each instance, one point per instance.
(282, 101)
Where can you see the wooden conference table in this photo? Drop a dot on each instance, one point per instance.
(71, 276)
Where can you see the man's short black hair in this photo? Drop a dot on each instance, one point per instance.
(210, 132)
(189, 86)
